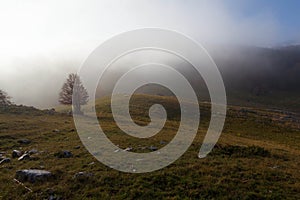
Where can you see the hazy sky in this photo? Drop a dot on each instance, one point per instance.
(42, 41)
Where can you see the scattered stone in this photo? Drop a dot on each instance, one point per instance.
(33, 175)
(16, 154)
(63, 154)
(56, 131)
(162, 142)
(77, 147)
(24, 141)
(153, 148)
(83, 176)
(128, 149)
(92, 163)
(274, 167)
(33, 151)
(5, 160)
(25, 156)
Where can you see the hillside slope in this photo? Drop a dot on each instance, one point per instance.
(257, 156)
(253, 76)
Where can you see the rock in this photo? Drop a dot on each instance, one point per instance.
(275, 167)
(33, 151)
(153, 148)
(16, 154)
(56, 131)
(33, 175)
(25, 156)
(92, 163)
(72, 130)
(5, 160)
(162, 142)
(77, 147)
(63, 154)
(128, 149)
(24, 141)
(83, 176)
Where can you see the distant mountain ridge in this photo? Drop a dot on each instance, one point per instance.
(261, 69)
(253, 76)
(266, 76)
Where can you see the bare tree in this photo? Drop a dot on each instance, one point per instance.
(74, 85)
(4, 98)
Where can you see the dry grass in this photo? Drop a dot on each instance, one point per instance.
(257, 157)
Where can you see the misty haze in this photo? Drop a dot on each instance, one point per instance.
(45, 91)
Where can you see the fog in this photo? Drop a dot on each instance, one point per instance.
(43, 41)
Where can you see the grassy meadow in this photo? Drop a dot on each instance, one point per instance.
(256, 157)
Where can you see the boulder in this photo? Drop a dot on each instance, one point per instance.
(83, 176)
(33, 151)
(5, 160)
(63, 154)
(33, 175)
(128, 149)
(25, 156)
(16, 153)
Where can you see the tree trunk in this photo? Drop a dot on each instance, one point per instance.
(77, 109)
